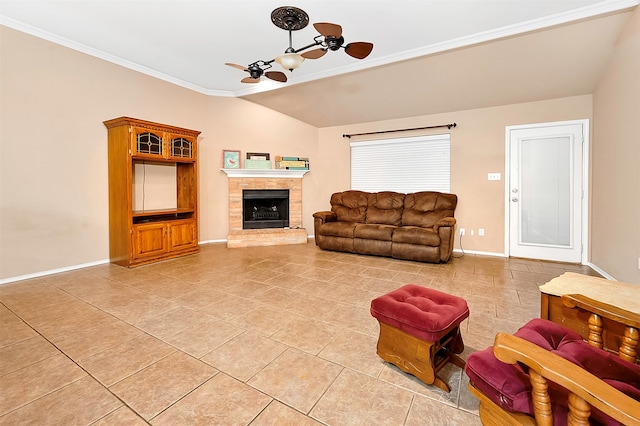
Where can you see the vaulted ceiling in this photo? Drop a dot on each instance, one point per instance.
(428, 57)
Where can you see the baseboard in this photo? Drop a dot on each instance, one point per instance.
(480, 253)
(52, 271)
(600, 271)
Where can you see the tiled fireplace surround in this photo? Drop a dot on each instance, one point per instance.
(240, 179)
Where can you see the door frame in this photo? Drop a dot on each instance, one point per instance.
(586, 131)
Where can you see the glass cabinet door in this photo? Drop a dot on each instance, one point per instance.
(147, 143)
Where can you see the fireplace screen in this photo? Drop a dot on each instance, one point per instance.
(265, 208)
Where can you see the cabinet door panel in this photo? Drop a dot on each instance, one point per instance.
(147, 143)
(181, 147)
(182, 235)
(149, 240)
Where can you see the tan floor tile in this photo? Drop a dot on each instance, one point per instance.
(202, 338)
(122, 416)
(161, 384)
(230, 307)
(24, 353)
(296, 378)
(356, 398)
(30, 383)
(171, 322)
(37, 299)
(278, 414)
(120, 361)
(97, 339)
(306, 334)
(354, 350)
(244, 355)
(13, 329)
(200, 298)
(426, 411)
(352, 317)
(80, 402)
(264, 319)
(165, 287)
(220, 401)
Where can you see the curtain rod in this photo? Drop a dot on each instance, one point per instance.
(448, 126)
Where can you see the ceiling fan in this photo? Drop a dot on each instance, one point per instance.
(291, 18)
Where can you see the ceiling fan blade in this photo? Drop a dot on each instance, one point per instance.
(359, 49)
(250, 80)
(276, 75)
(314, 54)
(328, 30)
(240, 67)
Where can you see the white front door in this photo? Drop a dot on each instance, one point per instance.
(545, 190)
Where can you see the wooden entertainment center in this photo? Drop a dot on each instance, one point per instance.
(138, 236)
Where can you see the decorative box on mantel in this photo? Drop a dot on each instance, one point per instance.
(241, 179)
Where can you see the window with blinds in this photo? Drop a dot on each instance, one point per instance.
(402, 165)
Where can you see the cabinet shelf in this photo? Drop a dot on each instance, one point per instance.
(167, 212)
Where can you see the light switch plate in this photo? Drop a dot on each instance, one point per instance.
(494, 176)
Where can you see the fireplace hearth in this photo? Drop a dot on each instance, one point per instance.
(265, 208)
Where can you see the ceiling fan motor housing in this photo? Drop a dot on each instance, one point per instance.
(334, 43)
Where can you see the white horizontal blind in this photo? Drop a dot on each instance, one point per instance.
(402, 165)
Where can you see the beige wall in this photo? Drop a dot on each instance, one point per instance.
(53, 169)
(53, 158)
(477, 148)
(615, 244)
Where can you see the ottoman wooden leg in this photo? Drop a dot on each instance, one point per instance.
(417, 357)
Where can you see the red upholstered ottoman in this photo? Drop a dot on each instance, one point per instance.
(420, 331)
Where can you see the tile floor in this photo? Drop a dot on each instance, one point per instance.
(261, 336)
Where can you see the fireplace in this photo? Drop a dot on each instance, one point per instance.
(265, 208)
(289, 181)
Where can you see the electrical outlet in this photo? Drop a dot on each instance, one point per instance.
(462, 232)
(481, 232)
(639, 263)
(494, 176)
(472, 232)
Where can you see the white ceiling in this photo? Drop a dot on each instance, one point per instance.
(424, 50)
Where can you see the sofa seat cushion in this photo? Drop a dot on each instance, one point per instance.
(416, 235)
(374, 232)
(337, 229)
(509, 386)
(420, 311)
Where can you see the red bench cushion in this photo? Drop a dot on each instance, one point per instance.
(419, 311)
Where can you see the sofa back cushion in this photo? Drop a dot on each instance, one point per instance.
(426, 208)
(385, 208)
(350, 206)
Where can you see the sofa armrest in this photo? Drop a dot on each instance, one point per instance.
(320, 218)
(325, 216)
(445, 221)
(445, 228)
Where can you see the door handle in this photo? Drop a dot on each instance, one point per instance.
(514, 190)
(514, 199)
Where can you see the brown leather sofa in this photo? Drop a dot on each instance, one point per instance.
(418, 226)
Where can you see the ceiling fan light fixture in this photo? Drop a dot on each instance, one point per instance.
(290, 61)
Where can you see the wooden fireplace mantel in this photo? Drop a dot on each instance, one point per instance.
(265, 173)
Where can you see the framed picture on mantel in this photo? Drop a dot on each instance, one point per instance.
(230, 159)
